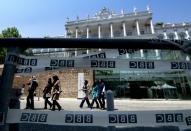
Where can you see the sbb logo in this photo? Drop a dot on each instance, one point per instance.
(122, 118)
(79, 118)
(162, 118)
(33, 117)
(188, 120)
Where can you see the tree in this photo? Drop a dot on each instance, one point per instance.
(160, 24)
(2, 55)
(11, 32)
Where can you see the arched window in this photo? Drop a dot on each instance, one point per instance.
(182, 35)
(160, 36)
(171, 36)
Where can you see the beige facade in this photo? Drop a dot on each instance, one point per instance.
(178, 31)
(135, 25)
(107, 24)
(68, 78)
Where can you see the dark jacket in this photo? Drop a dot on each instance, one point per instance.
(33, 85)
(48, 87)
(56, 91)
(100, 88)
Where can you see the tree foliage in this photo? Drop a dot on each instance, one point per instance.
(2, 55)
(11, 32)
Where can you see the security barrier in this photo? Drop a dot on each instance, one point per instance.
(120, 119)
(66, 120)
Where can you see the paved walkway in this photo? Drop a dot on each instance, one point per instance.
(72, 104)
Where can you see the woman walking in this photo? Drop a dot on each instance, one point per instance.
(101, 93)
(33, 84)
(85, 90)
(47, 93)
(56, 92)
(94, 94)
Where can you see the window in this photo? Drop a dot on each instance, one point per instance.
(161, 36)
(142, 32)
(182, 35)
(171, 36)
(129, 33)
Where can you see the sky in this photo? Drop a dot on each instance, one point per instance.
(40, 18)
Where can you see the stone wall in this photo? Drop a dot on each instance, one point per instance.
(68, 78)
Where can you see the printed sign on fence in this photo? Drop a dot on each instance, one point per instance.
(181, 118)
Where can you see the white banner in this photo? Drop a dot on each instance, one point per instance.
(80, 85)
(178, 118)
(45, 63)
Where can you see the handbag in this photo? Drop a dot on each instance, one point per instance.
(47, 95)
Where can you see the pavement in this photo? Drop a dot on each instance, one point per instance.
(72, 104)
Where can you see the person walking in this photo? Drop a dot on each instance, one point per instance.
(86, 93)
(47, 93)
(94, 94)
(56, 92)
(33, 84)
(101, 93)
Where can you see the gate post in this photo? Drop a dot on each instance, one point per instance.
(110, 107)
(6, 83)
(110, 100)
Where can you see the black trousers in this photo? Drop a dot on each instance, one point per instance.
(83, 100)
(30, 101)
(101, 99)
(46, 101)
(55, 103)
(92, 103)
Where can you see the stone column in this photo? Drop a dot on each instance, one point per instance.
(157, 53)
(124, 30)
(165, 35)
(187, 58)
(176, 35)
(122, 12)
(152, 32)
(138, 33)
(127, 55)
(87, 31)
(152, 27)
(187, 34)
(76, 53)
(137, 26)
(99, 31)
(111, 30)
(76, 32)
(87, 51)
(142, 54)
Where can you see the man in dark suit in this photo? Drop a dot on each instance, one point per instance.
(33, 84)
